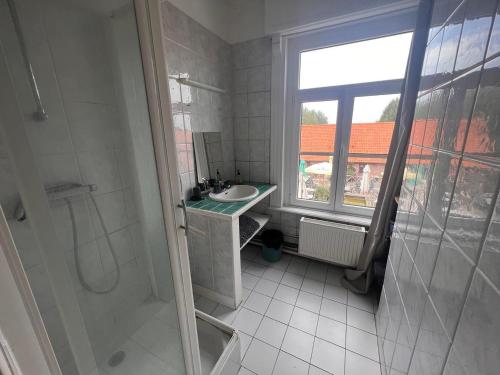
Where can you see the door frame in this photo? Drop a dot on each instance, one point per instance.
(150, 26)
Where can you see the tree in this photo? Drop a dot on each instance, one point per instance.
(312, 116)
(390, 111)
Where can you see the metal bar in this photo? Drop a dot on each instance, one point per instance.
(183, 79)
(40, 114)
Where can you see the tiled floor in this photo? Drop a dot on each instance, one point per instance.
(154, 349)
(296, 319)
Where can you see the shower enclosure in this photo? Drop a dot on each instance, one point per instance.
(80, 186)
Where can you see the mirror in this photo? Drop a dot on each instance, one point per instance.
(209, 156)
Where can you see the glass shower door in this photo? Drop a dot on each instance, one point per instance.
(79, 186)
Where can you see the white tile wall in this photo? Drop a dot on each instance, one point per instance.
(206, 58)
(441, 285)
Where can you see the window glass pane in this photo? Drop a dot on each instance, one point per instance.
(367, 61)
(373, 120)
(318, 122)
(318, 126)
(315, 173)
(363, 179)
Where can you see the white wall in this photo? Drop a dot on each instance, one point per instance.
(242, 20)
(212, 14)
(247, 20)
(289, 14)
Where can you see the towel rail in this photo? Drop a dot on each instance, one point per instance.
(183, 79)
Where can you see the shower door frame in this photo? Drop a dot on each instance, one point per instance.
(149, 25)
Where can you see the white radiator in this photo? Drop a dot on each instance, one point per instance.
(333, 242)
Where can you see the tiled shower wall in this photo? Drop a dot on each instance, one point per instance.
(193, 49)
(438, 313)
(84, 140)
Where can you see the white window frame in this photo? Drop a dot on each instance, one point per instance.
(287, 96)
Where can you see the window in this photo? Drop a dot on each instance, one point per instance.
(340, 114)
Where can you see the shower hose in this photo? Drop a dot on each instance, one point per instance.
(79, 271)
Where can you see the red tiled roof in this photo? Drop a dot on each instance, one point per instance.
(375, 138)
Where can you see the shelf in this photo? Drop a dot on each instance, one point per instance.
(260, 219)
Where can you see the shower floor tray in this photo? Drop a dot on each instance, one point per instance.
(154, 349)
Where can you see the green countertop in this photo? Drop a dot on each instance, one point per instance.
(228, 208)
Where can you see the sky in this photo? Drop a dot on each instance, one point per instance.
(366, 61)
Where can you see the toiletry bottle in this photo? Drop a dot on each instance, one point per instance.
(238, 177)
(217, 185)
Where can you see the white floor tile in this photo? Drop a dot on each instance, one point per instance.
(283, 263)
(336, 293)
(260, 357)
(248, 280)
(334, 275)
(244, 371)
(255, 269)
(293, 280)
(249, 252)
(271, 332)
(298, 266)
(244, 263)
(362, 342)
(304, 320)
(331, 330)
(361, 319)
(363, 302)
(266, 287)
(298, 344)
(279, 311)
(333, 310)
(313, 370)
(289, 365)
(225, 313)
(358, 365)
(273, 274)
(313, 286)
(286, 294)
(328, 357)
(259, 259)
(247, 321)
(245, 342)
(309, 302)
(317, 271)
(245, 293)
(257, 302)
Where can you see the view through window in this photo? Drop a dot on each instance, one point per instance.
(347, 80)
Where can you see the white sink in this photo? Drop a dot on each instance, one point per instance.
(236, 193)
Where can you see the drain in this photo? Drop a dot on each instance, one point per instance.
(116, 358)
